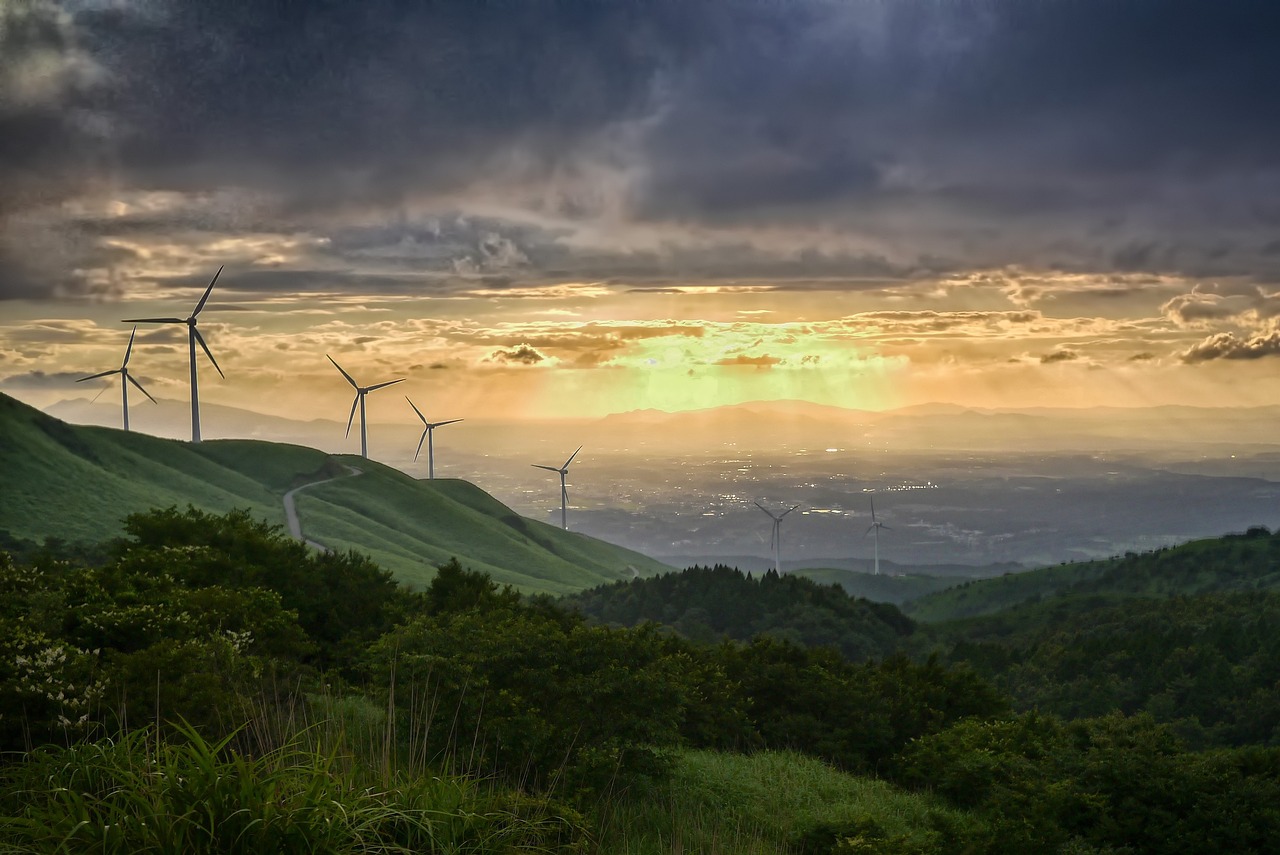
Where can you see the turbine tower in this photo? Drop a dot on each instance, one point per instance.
(775, 542)
(361, 391)
(428, 431)
(875, 526)
(125, 379)
(564, 491)
(193, 336)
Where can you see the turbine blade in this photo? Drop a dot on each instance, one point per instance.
(421, 439)
(449, 422)
(570, 460)
(139, 385)
(99, 395)
(128, 350)
(873, 508)
(353, 383)
(200, 305)
(383, 385)
(420, 415)
(154, 321)
(870, 529)
(96, 376)
(195, 332)
(771, 514)
(787, 511)
(548, 468)
(351, 418)
(885, 527)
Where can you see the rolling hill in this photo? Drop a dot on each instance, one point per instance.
(1238, 562)
(78, 483)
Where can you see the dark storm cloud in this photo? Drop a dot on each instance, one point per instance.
(1081, 135)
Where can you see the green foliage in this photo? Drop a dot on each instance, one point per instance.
(520, 694)
(134, 795)
(1111, 783)
(709, 603)
(804, 699)
(1207, 663)
(340, 600)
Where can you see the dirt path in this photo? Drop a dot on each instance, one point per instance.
(291, 508)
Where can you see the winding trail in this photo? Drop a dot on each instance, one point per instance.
(291, 508)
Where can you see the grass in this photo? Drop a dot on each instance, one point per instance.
(138, 796)
(772, 802)
(406, 525)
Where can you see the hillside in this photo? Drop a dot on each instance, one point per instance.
(709, 603)
(78, 483)
(1240, 562)
(1186, 635)
(880, 588)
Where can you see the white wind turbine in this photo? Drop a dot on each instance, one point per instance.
(428, 432)
(775, 542)
(125, 379)
(875, 526)
(564, 491)
(193, 336)
(361, 391)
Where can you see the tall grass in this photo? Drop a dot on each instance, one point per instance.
(136, 795)
(776, 802)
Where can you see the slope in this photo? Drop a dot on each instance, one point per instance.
(1235, 562)
(78, 484)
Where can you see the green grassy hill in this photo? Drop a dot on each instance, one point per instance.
(78, 483)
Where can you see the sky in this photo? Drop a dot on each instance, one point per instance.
(555, 208)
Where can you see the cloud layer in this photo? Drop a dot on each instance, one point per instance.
(447, 147)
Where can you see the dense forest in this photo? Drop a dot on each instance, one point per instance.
(207, 684)
(711, 603)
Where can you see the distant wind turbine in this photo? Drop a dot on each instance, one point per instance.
(775, 542)
(564, 491)
(428, 431)
(125, 379)
(193, 336)
(875, 526)
(361, 391)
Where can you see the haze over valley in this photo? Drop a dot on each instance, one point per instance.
(956, 486)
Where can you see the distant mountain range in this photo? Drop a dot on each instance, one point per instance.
(78, 483)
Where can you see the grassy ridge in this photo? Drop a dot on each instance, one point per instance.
(78, 483)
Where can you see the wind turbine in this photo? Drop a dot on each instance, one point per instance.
(193, 336)
(875, 526)
(775, 542)
(427, 433)
(125, 379)
(361, 391)
(564, 491)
